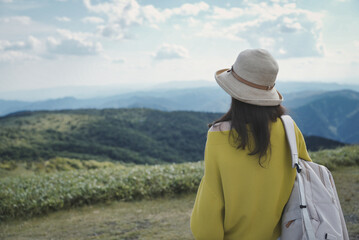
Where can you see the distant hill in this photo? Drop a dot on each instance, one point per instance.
(127, 135)
(292, 87)
(103, 91)
(315, 143)
(201, 95)
(333, 115)
(209, 99)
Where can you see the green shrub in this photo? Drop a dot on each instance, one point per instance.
(334, 158)
(33, 195)
(8, 165)
(68, 164)
(63, 164)
(92, 164)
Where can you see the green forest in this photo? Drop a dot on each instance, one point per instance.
(123, 135)
(139, 136)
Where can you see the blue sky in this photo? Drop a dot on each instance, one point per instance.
(142, 42)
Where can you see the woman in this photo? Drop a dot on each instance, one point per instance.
(248, 175)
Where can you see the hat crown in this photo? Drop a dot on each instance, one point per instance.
(256, 66)
(251, 78)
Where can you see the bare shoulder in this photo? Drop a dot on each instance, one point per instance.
(221, 126)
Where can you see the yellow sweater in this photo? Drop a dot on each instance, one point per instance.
(239, 199)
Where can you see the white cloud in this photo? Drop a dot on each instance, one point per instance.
(212, 30)
(20, 27)
(6, 1)
(24, 20)
(15, 56)
(63, 19)
(31, 43)
(73, 47)
(171, 51)
(74, 35)
(226, 13)
(271, 26)
(35, 43)
(263, 10)
(289, 25)
(113, 31)
(192, 22)
(188, 9)
(279, 1)
(123, 14)
(12, 51)
(73, 43)
(266, 42)
(282, 51)
(95, 20)
(8, 46)
(65, 43)
(154, 15)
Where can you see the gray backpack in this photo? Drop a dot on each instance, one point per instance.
(313, 210)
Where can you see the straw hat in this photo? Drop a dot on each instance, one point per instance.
(252, 78)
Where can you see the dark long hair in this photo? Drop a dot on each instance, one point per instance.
(256, 119)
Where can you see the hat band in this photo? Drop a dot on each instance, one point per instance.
(249, 83)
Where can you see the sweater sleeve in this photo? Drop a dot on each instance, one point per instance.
(208, 212)
(302, 147)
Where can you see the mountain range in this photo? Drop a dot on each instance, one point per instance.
(102, 91)
(332, 114)
(208, 99)
(141, 136)
(128, 135)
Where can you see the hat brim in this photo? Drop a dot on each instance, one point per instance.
(245, 93)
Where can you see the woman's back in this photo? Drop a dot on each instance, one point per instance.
(248, 175)
(238, 198)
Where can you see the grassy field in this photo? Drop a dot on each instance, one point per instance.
(162, 218)
(347, 184)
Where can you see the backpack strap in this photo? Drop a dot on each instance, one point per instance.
(290, 133)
